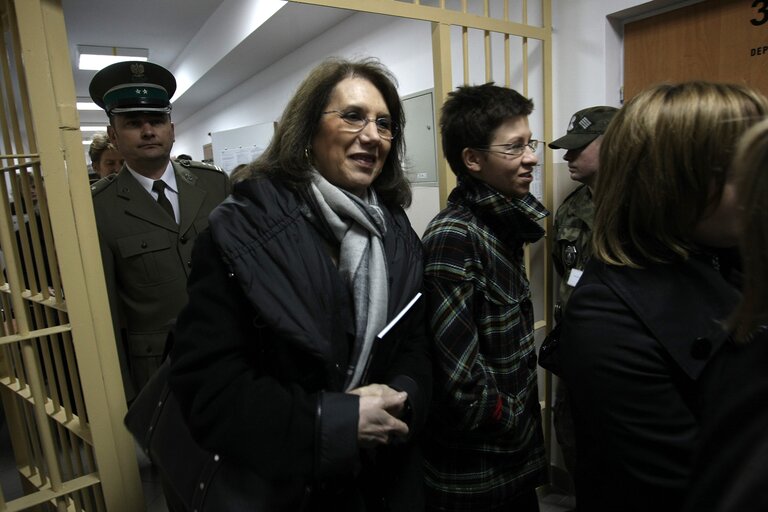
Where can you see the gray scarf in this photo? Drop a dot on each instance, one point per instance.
(358, 227)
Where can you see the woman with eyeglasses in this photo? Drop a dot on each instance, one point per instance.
(278, 363)
(649, 312)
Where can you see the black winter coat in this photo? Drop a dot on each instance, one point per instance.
(261, 353)
(633, 348)
(731, 464)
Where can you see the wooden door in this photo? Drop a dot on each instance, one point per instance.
(717, 40)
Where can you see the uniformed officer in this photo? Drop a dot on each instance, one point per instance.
(573, 221)
(148, 215)
(573, 234)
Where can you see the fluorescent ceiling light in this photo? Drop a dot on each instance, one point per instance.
(85, 104)
(97, 57)
(93, 128)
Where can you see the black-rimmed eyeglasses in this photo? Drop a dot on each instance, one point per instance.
(357, 122)
(511, 149)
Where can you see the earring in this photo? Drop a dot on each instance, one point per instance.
(307, 155)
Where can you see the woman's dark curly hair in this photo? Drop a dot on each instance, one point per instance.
(285, 158)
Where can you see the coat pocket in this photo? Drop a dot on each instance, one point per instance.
(148, 258)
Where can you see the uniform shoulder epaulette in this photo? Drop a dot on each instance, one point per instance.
(199, 165)
(574, 192)
(102, 184)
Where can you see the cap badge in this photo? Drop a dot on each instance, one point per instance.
(137, 70)
(585, 123)
(569, 255)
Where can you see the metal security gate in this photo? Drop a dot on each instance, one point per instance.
(60, 381)
(59, 376)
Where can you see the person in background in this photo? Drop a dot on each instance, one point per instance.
(647, 314)
(573, 220)
(148, 215)
(731, 462)
(484, 450)
(105, 159)
(573, 236)
(276, 363)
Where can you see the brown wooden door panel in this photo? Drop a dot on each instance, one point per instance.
(717, 40)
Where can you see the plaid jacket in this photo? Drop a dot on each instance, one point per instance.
(485, 444)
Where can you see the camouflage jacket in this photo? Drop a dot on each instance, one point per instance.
(573, 237)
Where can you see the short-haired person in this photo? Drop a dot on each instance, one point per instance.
(484, 450)
(105, 159)
(649, 312)
(572, 245)
(573, 220)
(274, 363)
(148, 215)
(732, 454)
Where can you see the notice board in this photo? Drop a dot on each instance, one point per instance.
(240, 145)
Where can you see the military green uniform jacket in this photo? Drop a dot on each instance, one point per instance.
(573, 237)
(147, 258)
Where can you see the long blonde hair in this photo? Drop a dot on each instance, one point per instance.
(751, 168)
(663, 164)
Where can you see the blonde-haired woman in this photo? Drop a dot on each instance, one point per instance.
(732, 460)
(648, 313)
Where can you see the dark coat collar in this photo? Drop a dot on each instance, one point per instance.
(684, 305)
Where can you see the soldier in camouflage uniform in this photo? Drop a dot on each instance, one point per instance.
(573, 235)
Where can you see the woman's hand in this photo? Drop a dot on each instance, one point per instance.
(379, 407)
(395, 407)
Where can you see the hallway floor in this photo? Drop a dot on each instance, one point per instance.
(153, 492)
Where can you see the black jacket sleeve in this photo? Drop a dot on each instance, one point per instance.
(234, 405)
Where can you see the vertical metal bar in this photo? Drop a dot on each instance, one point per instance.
(7, 89)
(21, 210)
(441, 59)
(14, 132)
(548, 172)
(465, 53)
(94, 347)
(24, 99)
(507, 62)
(59, 394)
(37, 207)
(48, 369)
(488, 56)
(71, 367)
(525, 50)
(29, 355)
(45, 227)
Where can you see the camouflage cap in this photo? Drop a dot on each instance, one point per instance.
(133, 86)
(585, 126)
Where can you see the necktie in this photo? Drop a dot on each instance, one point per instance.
(159, 187)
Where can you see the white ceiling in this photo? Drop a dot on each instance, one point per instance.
(166, 27)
